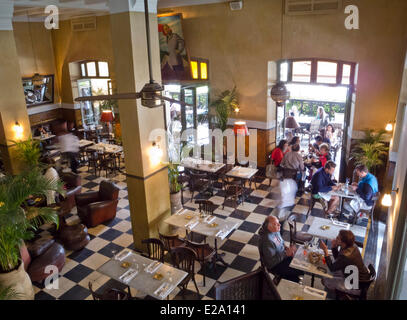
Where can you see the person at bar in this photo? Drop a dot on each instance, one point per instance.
(322, 185)
(347, 255)
(277, 257)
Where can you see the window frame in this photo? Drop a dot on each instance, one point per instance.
(86, 76)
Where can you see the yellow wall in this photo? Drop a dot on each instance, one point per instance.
(34, 36)
(81, 45)
(239, 44)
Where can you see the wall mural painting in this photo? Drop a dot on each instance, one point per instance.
(173, 54)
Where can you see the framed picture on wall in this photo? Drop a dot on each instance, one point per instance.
(175, 62)
(39, 92)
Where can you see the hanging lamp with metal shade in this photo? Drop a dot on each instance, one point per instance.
(279, 93)
(151, 94)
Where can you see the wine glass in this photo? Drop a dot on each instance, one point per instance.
(114, 254)
(169, 276)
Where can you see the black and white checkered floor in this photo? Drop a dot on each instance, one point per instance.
(240, 247)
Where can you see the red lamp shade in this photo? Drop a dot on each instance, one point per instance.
(107, 116)
(240, 127)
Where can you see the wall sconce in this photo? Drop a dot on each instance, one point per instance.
(156, 153)
(237, 109)
(387, 200)
(199, 68)
(389, 127)
(18, 130)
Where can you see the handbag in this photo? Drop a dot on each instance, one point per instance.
(271, 171)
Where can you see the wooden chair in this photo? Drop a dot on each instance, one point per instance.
(183, 180)
(233, 189)
(363, 286)
(184, 258)
(155, 249)
(370, 212)
(171, 241)
(110, 294)
(256, 285)
(205, 253)
(93, 160)
(313, 201)
(198, 182)
(206, 206)
(107, 162)
(296, 236)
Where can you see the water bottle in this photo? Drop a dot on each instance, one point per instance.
(347, 186)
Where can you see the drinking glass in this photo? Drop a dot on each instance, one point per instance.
(114, 254)
(169, 276)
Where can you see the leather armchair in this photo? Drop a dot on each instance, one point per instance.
(39, 254)
(96, 207)
(73, 187)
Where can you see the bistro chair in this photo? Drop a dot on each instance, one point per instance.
(184, 258)
(171, 241)
(205, 253)
(370, 212)
(363, 286)
(206, 206)
(198, 182)
(110, 294)
(93, 160)
(183, 180)
(312, 201)
(234, 190)
(256, 285)
(296, 236)
(155, 249)
(107, 162)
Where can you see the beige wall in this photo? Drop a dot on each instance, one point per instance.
(82, 45)
(239, 44)
(35, 50)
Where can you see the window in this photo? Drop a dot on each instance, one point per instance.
(199, 69)
(94, 69)
(346, 73)
(326, 72)
(284, 71)
(301, 71)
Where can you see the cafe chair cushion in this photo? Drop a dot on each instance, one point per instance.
(100, 206)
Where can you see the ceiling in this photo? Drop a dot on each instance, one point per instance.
(33, 10)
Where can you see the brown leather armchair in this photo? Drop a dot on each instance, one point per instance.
(39, 254)
(73, 187)
(96, 207)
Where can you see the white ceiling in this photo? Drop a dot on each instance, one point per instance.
(33, 10)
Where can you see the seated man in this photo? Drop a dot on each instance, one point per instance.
(277, 257)
(315, 147)
(322, 185)
(366, 190)
(348, 255)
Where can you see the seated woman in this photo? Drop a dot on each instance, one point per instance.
(279, 152)
(324, 156)
(293, 160)
(366, 190)
(276, 256)
(348, 255)
(294, 141)
(325, 139)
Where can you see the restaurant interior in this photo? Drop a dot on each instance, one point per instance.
(203, 150)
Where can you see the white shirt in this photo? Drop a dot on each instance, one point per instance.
(52, 175)
(68, 143)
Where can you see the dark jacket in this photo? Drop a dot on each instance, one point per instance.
(271, 247)
(321, 182)
(346, 257)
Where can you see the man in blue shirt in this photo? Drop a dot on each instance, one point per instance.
(322, 185)
(366, 189)
(276, 256)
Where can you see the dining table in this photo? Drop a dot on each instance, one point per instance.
(107, 148)
(244, 174)
(289, 290)
(301, 262)
(83, 143)
(343, 193)
(201, 165)
(328, 228)
(148, 276)
(44, 137)
(207, 226)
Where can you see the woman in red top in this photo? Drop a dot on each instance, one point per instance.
(324, 155)
(279, 152)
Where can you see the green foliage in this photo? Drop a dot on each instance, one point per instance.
(370, 151)
(28, 152)
(8, 293)
(224, 105)
(17, 223)
(173, 175)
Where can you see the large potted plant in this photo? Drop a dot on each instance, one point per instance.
(19, 221)
(175, 187)
(370, 151)
(224, 105)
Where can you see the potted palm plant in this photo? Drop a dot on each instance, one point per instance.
(224, 105)
(370, 151)
(175, 187)
(19, 221)
(8, 293)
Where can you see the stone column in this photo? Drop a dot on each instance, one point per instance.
(147, 179)
(13, 108)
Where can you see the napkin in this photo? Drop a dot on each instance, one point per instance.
(314, 292)
(192, 225)
(221, 234)
(128, 275)
(122, 255)
(300, 263)
(181, 212)
(210, 219)
(153, 267)
(163, 290)
(341, 224)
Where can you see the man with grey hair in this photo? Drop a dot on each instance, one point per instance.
(276, 256)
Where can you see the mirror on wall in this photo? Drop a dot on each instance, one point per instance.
(39, 90)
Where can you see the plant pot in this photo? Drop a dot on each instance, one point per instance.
(175, 199)
(20, 281)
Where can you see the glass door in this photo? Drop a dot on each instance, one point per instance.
(85, 90)
(202, 114)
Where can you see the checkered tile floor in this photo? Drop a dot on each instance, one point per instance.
(240, 247)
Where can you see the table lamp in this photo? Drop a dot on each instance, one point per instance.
(107, 117)
(240, 128)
